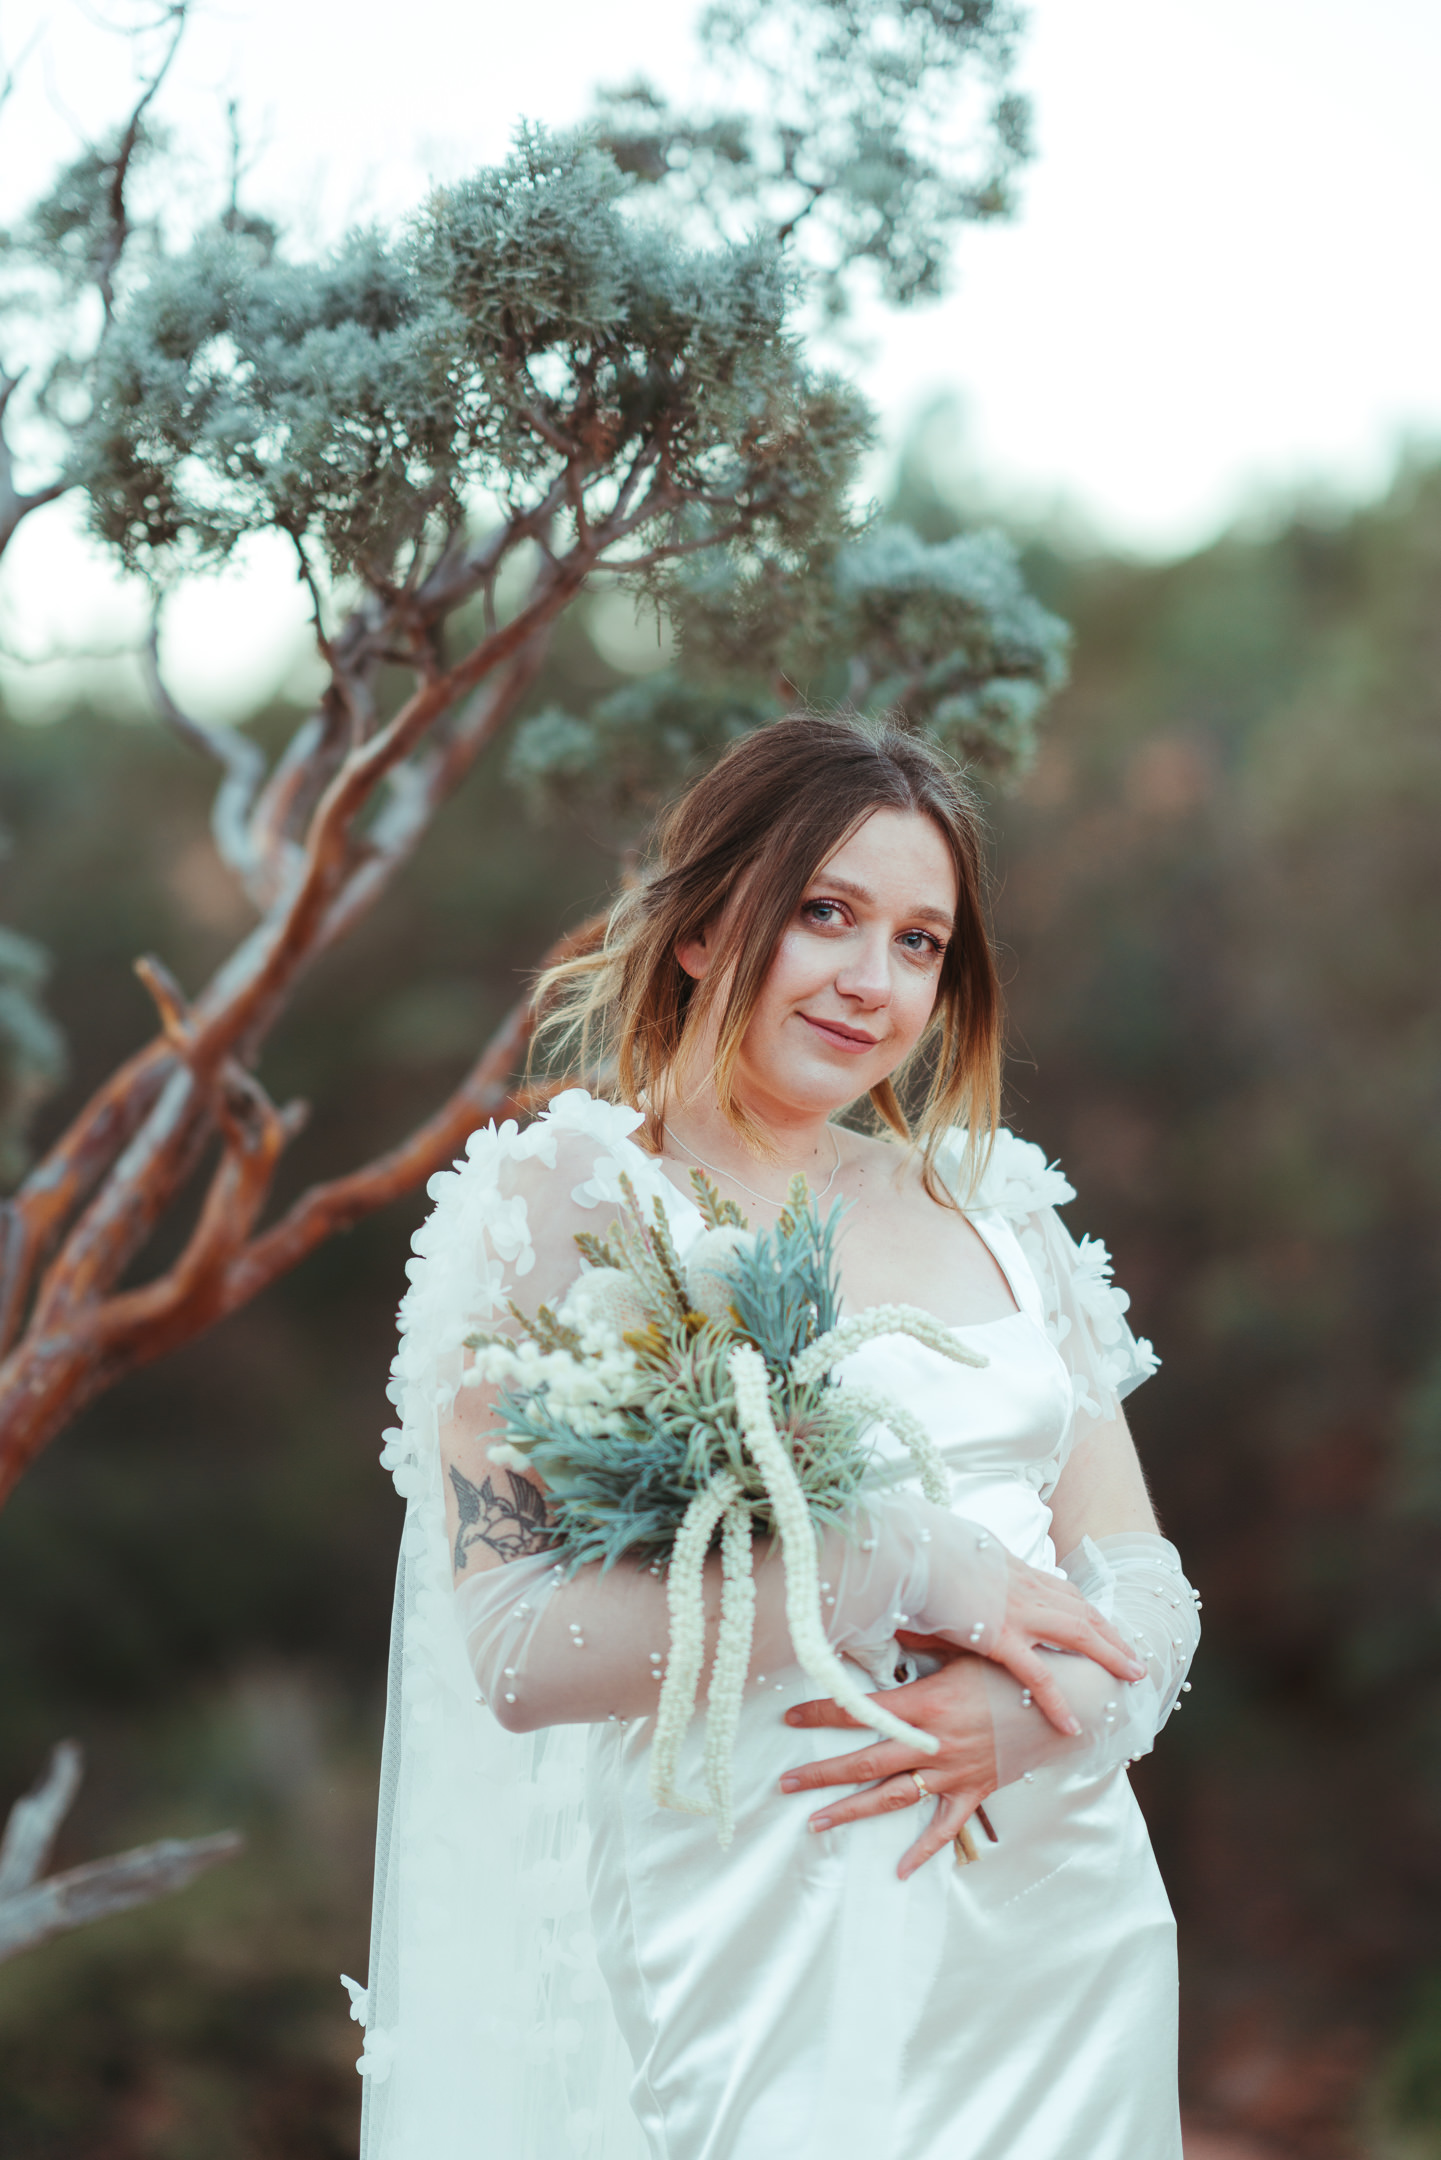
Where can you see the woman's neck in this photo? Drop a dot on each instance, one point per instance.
(803, 1141)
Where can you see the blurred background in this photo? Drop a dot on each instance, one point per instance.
(1199, 379)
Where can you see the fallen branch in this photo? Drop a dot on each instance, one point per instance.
(33, 1909)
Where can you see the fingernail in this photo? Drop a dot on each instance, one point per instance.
(820, 1822)
(1073, 1727)
(790, 1784)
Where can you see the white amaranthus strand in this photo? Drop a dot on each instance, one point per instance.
(732, 1663)
(883, 1409)
(847, 1337)
(803, 1591)
(685, 1600)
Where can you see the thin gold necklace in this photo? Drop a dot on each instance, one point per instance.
(716, 1170)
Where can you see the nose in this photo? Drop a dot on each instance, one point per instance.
(865, 973)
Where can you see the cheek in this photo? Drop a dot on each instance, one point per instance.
(800, 963)
(912, 1002)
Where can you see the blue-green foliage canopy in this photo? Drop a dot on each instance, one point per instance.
(522, 329)
(873, 128)
(591, 358)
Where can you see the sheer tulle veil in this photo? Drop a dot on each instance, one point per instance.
(488, 2033)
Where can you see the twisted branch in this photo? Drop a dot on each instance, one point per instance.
(81, 1340)
(15, 506)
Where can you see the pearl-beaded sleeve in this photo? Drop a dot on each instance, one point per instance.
(1134, 1578)
(552, 1649)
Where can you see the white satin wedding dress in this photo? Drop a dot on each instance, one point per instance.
(561, 1967)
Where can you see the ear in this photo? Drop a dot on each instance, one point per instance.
(694, 955)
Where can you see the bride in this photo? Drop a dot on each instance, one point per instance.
(958, 1955)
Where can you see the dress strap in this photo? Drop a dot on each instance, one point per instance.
(1004, 1247)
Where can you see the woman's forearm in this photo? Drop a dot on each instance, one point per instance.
(553, 1649)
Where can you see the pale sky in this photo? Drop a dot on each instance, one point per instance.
(1221, 287)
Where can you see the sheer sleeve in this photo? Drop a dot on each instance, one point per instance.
(1134, 1578)
(1084, 1311)
(553, 1649)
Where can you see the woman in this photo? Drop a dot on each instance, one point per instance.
(834, 1984)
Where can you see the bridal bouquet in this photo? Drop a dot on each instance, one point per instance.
(664, 1404)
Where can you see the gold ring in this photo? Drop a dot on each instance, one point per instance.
(923, 1790)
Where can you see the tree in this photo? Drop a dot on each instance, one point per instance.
(585, 363)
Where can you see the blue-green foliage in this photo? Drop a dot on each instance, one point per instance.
(881, 126)
(944, 637)
(634, 745)
(948, 634)
(360, 401)
(626, 1493)
(603, 334)
(786, 1286)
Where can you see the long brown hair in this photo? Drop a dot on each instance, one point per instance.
(734, 856)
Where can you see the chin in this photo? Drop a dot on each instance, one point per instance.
(820, 1090)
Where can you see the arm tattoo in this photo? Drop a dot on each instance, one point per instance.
(512, 1524)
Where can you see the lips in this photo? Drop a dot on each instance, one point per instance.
(840, 1036)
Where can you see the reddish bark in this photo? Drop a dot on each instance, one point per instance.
(92, 1204)
(80, 1341)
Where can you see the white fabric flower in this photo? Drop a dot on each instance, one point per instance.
(574, 1110)
(377, 2056)
(1017, 1178)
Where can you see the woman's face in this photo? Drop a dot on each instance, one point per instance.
(855, 976)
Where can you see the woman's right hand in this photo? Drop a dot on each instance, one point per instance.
(1046, 1609)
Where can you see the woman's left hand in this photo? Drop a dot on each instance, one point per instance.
(952, 1704)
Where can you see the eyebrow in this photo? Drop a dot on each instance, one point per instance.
(852, 891)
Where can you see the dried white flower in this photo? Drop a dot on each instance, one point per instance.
(708, 1268)
(606, 1300)
(882, 1409)
(685, 1598)
(803, 1594)
(848, 1336)
(506, 1457)
(732, 1661)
